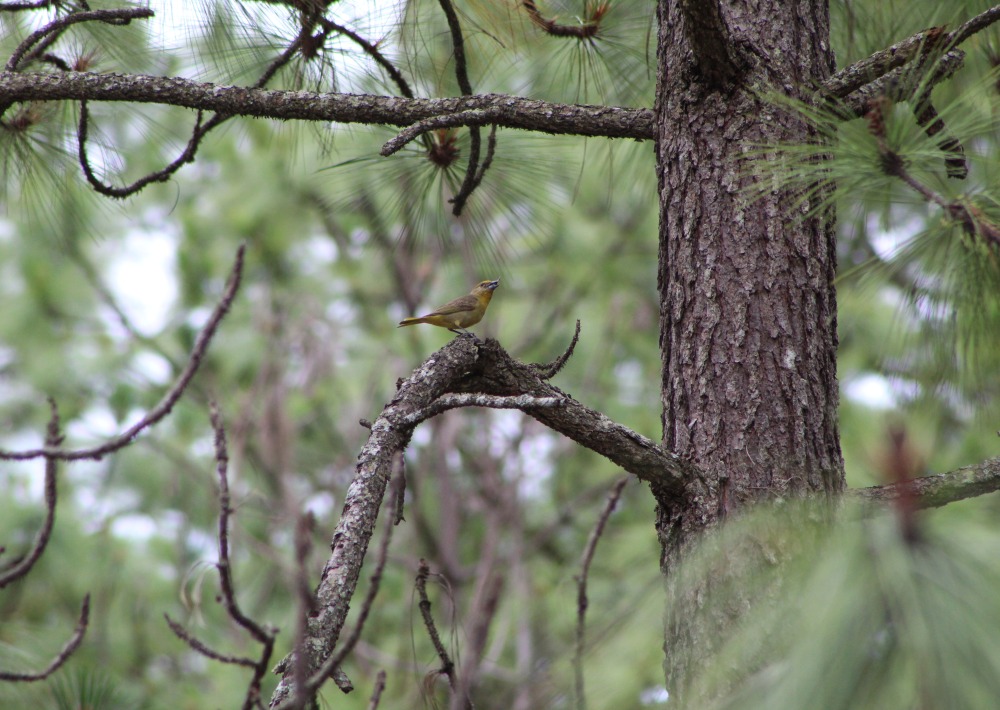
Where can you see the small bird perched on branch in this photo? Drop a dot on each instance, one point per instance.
(461, 313)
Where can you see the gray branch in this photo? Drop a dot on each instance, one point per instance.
(940, 489)
(510, 111)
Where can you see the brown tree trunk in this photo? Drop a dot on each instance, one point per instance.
(748, 322)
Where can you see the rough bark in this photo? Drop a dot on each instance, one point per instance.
(499, 109)
(748, 328)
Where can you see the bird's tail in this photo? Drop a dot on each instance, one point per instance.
(411, 321)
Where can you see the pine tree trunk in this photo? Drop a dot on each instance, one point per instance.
(748, 322)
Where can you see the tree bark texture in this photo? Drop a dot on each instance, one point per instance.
(748, 325)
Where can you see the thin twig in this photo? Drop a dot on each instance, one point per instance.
(447, 665)
(856, 75)
(53, 438)
(491, 149)
(465, 86)
(587, 28)
(547, 372)
(187, 155)
(939, 489)
(581, 587)
(121, 16)
(264, 636)
(169, 400)
(377, 691)
(977, 24)
(373, 51)
(472, 117)
(162, 175)
(204, 649)
(74, 642)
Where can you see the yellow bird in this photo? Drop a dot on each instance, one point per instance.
(461, 313)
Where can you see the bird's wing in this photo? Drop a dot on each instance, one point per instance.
(459, 305)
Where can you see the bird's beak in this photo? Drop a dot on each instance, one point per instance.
(493, 284)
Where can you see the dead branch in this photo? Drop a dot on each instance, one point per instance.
(113, 16)
(169, 400)
(264, 636)
(74, 642)
(447, 668)
(581, 587)
(20, 568)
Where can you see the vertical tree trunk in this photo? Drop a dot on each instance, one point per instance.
(748, 329)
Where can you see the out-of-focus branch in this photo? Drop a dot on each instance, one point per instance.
(169, 400)
(264, 636)
(940, 489)
(469, 183)
(971, 218)
(447, 668)
(581, 587)
(74, 642)
(377, 691)
(111, 16)
(19, 569)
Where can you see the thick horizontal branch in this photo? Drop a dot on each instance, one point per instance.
(940, 489)
(509, 111)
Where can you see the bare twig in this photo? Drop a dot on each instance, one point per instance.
(263, 636)
(162, 175)
(204, 649)
(372, 51)
(74, 642)
(121, 16)
(587, 28)
(491, 149)
(53, 438)
(581, 587)
(465, 86)
(472, 117)
(37, 5)
(977, 24)
(856, 75)
(377, 691)
(547, 372)
(187, 155)
(853, 77)
(169, 400)
(447, 665)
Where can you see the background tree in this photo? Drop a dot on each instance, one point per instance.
(758, 141)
